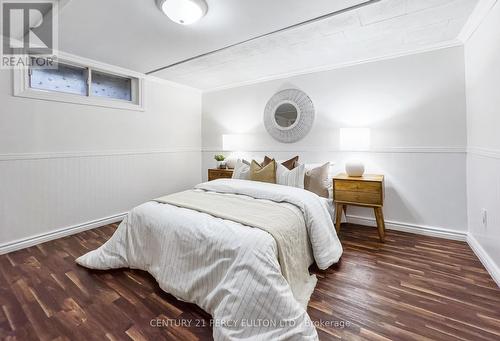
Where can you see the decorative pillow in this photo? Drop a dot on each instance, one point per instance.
(316, 180)
(294, 177)
(241, 170)
(289, 164)
(263, 174)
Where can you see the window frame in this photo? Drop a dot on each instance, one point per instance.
(22, 86)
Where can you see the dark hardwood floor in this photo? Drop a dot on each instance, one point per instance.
(410, 288)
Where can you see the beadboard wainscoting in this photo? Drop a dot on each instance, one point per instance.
(67, 167)
(46, 196)
(420, 196)
(483, 194)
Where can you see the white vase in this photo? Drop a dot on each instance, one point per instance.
(221, 164)
(355, 168)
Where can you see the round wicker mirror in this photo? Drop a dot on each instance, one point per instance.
(289, 115)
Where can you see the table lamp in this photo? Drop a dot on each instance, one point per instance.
(354, 140)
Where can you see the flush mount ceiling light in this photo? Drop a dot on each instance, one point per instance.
(184, 12)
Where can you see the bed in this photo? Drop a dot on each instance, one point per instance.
(239, 249)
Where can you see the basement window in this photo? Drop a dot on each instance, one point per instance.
(110, 86)
(66, 78)
(81, 83)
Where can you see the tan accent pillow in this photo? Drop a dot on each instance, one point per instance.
(316, 180)
(263, 174)
(290, 164)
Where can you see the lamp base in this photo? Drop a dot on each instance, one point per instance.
(355, 168)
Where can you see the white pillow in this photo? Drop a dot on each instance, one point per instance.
(241, 170)
(331, 174)
(293, 178)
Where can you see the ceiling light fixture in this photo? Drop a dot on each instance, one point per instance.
(184, 12)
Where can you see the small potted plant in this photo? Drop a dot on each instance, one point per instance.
(221, 164)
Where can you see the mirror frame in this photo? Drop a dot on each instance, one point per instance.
(303, 123)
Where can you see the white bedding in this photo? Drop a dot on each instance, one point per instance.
(228, 269)
(283, 221)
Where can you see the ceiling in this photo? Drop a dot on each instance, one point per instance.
(136, 35)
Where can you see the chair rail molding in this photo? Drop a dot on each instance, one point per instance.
(381, 150)
(485, 152)
(83, 154)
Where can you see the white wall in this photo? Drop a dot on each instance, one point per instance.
(415, 107)
(63, 165)
(482, 55)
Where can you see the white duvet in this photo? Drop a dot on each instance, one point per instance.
(228, 269)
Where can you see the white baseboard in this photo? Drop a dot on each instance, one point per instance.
(478, 250)
(483, 256)
(411, 228)
(59, 233)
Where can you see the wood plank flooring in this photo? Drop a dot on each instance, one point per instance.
(410, 288)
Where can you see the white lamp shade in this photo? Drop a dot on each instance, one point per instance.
(184, 12)
(236, 145)
(237, 142)
(355, 139)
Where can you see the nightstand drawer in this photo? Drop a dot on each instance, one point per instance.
(358, 186)
(362, 198)
(214, 174)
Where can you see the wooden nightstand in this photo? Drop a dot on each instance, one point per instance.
(214, 174)
(366, 191)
